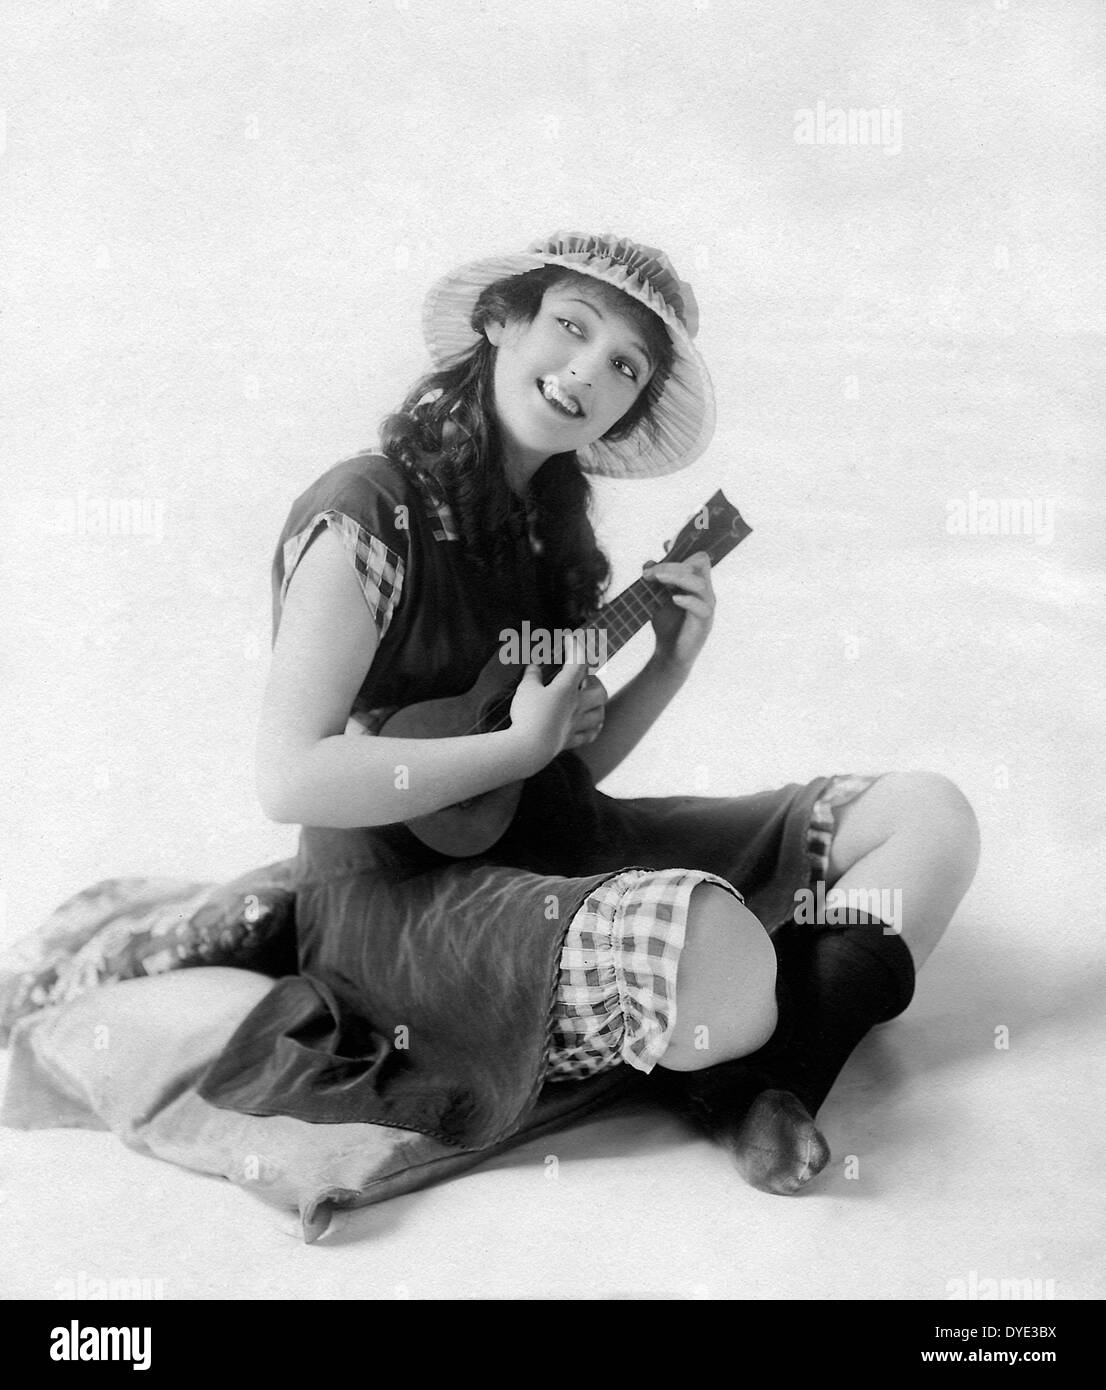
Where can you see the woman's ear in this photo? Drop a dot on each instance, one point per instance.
(493, 331)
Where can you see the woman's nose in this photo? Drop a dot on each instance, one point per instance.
(584, 366)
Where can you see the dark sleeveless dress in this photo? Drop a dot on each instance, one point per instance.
(426, 983)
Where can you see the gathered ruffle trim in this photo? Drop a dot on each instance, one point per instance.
(617, 996)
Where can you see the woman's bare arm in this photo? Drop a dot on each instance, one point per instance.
(308, 771)
(630, 714)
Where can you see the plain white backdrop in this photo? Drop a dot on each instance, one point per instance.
(219, 224)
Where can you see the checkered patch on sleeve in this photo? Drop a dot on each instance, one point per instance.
(379, 567)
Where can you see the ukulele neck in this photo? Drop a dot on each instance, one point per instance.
(627, 614)
(715, 529)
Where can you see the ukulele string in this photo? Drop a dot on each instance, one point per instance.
(654, 589)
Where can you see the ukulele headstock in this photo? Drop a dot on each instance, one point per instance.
(717, 527)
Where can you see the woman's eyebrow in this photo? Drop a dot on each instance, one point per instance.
(634, 342)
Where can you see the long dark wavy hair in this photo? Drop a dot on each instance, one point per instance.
(446, 427)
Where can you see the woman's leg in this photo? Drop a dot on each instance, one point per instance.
(915, 835)
(918, 835)
(725, 984)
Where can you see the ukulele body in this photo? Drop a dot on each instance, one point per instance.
(468, 827)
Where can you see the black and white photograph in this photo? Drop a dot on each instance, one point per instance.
(554, 583)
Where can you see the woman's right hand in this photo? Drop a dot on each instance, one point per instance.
(566, 713)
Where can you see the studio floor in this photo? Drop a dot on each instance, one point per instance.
(966, 1149)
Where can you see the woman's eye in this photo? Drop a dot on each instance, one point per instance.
(620, 364)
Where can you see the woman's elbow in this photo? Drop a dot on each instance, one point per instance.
(272, 803)
(274, 788)
(279, 814)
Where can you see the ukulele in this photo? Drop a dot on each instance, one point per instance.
(471, 826)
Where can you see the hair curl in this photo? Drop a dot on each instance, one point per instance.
(446, 428)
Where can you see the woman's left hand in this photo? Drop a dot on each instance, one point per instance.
(683, 623)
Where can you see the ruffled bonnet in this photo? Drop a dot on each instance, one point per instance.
(683, 413)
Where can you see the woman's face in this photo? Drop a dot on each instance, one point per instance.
(567, 377)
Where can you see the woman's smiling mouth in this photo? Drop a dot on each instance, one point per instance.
(560, 399)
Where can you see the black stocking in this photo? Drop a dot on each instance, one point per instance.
(832, 985)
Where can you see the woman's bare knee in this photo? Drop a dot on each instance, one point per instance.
(936, 815)
(924, 811)
(725, 984)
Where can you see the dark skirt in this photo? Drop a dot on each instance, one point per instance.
(426, 985)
